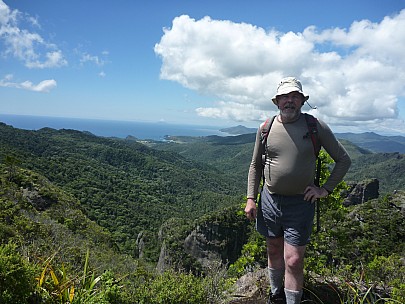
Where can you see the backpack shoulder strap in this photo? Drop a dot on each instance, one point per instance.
(265, 129)
(312, 124)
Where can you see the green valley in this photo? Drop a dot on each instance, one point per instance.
(87, 219)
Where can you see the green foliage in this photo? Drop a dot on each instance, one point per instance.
(171, 287)
(11, 163)
(388, 168)
(62, 286)
(376, 143)
(61, 231)
(334, 200)
(17, 282)
(177, 287)
(230, 155)
(124, 186)
(390, 271)
(223, 232)
(253, 255)
(54, 180)
(361, 251)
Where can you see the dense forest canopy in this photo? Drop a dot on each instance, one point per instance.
(75, 206)
(124, 186)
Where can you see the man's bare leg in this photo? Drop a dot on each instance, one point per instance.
(294, 272)
(276, 268)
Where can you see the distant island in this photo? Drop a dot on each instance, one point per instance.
(239, 130)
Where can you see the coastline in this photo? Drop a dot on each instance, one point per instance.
(110, 128)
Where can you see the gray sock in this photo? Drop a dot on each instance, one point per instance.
(293, 296)
(276, 277)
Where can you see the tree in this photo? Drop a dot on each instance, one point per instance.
(11, 162)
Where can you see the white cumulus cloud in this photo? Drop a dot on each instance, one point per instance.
(44, 86)
(25, 45)
(355, 75)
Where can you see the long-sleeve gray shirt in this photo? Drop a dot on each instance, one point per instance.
(290, 162)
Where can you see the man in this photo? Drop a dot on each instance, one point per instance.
(286, 211)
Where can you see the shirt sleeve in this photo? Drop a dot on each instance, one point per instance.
(255, 168)
(337, 152)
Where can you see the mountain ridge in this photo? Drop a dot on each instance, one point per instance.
(367, 140)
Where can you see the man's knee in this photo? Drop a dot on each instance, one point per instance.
(294, 261)
(294, 257)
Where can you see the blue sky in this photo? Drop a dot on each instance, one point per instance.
(204, 62)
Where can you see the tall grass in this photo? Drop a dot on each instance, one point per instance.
(65, 288)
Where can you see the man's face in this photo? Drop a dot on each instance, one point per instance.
(290, 104)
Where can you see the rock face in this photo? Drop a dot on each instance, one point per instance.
(140, 245)
(214, 240)
(359, 193)
(251, 288)
(203, 247)
(398, 200)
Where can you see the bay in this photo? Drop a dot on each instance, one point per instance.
(110, 128)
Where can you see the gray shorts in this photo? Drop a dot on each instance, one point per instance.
(290, 217)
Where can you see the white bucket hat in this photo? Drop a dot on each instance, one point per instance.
(288, 85)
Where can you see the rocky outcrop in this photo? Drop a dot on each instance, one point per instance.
(140, 245)
(203, 247)
(251, 288)
(398, 200)
(163, 259)
(218, 238)
(38, 201)
(359, 193)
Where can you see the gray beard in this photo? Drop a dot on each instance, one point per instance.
(290, 116)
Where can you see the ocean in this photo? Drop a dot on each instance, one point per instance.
(110, 128)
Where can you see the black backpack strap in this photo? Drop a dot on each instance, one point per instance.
(312, 124)
(313, 133)
(265, 130)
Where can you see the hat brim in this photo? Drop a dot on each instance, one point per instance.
(274, 99)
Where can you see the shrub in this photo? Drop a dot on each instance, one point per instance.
(17, 281)
(175, 287)
(389, 272)
(171, 287)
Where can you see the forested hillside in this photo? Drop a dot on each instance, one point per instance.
(122, 185)
(233, 154)
(47, 221)
(85, 219)
(368, 140)
(375, 142)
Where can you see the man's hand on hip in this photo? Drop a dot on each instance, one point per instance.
(312, 193)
